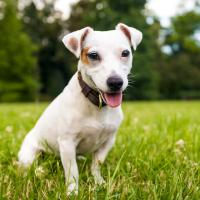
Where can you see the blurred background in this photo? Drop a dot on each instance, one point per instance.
(35, 66)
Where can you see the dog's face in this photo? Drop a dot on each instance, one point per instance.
(105, 58)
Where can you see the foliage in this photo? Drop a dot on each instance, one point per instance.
(46, 65)
(180, 70)
(156, 156)
(45, 26)
(17, 63)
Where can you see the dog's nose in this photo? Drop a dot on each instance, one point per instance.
(114, 83)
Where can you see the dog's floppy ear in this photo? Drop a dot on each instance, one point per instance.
(134, 35)
(74, 41)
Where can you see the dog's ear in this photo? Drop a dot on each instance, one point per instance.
(74, 41)
(134, 35)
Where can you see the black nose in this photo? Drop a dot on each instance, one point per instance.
(114, 83)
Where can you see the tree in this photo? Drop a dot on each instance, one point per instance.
(45, 27)
(18, 75)
(104, 15)
(180, 73)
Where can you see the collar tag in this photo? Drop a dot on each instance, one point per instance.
(100, 101)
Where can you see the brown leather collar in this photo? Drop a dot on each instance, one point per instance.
(91, 94)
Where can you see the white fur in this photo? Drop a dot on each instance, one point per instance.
(71, 124)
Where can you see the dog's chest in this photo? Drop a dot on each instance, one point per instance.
(94, 133)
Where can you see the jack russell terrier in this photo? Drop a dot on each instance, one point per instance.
(85, 117)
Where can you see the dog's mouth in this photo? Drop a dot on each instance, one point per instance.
(113, 99)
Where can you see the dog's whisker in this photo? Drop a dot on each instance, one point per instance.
(131, 81)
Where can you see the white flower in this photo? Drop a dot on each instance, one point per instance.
(135, 120)
(25, 114)
(39, 171)
(9, 128)
(180, 143)
(146, 128)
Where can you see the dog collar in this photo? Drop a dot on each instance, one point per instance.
(93, 95)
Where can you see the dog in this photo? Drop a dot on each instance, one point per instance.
(85, 117)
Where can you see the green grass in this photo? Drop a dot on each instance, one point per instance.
(156, 156)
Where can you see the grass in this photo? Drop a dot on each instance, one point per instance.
(156, 156)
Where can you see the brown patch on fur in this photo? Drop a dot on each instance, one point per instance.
(73, 42)
(84, 57)
(126, 32)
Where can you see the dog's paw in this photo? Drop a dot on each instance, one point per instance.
(99, 180)
(24, 164)
(72, 189)
(24, 160)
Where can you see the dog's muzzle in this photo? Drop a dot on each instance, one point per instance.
(113, 98)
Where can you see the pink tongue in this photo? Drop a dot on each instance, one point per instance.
(113, 99)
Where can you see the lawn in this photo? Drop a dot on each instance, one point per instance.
(156, 156)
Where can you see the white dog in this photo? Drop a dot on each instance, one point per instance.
(85, 117)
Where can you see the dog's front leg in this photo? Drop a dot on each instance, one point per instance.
(68, 157)
(99, 157)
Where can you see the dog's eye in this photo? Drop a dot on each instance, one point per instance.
(125, 53)
(93, 56)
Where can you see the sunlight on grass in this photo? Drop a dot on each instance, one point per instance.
(156, 156)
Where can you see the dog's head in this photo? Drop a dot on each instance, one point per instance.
(105, 58)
